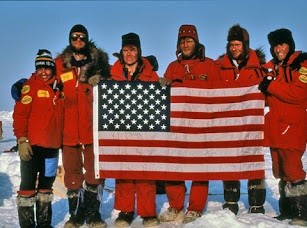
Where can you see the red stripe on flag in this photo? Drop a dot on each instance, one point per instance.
(258, 174)
(182, 160)
(177, 144)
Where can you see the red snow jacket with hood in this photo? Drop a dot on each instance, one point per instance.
(39, 113)
(286, 122)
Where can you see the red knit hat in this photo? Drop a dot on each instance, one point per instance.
(188, 31)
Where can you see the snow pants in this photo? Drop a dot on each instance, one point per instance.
(39, 172)
(175, 191)
(127, 191)
(287, 164)
(75, 159)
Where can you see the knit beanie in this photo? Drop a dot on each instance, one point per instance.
(78, 28)
(131, 39)
(44, 59)
(280, 36)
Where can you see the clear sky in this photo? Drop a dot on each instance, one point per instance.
(32, 25)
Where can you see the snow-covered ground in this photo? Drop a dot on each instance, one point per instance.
(213, 216)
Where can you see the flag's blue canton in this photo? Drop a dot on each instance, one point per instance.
(133, 106)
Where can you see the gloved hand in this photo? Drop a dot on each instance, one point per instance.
(94, 80)
(164, 82)
(264, 84)
(24, 148)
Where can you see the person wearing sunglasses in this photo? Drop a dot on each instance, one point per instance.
(81, 66)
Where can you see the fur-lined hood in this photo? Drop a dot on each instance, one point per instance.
(99, 64)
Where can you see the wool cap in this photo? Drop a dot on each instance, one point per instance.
(280, 36)
(44, 59)
(79, 28)
(188, 31)
(131, 39)
(236, 32)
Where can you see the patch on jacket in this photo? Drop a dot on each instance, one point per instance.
(67, 76)
(26, 99)
(303, 78)
(203, 77)
(25, 89)
(43, 93)
(303, 70)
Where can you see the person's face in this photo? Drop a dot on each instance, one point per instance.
(44, 73)
(78, 40)
(236, 48)
(130, 54)
(187, 46)
(281, 51)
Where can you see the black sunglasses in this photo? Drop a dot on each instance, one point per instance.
(75, 37)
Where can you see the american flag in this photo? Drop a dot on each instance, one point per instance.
(190, 131)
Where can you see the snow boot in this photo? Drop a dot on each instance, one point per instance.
(150, 221)
(44, 209)
(297, 193)
(256, 196)
(92, 204)
(285, 208)
(191, 216)
(25, 207)
(171, 215)
(76, 208)
(124, 219)
(231, 195)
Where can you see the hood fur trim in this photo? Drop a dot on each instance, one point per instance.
(99, 64)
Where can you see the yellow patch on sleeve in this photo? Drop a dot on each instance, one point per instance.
(67, 76)
(303, 70)
(43, 93)
(26, 99)
(25, 89)
(303, 78)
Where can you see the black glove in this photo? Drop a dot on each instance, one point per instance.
(263, 86)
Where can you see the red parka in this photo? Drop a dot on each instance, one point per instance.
(78, 125)
(39, 113)
(251, 70)
(286, 122)
(192, 69)
(146, 73)
(78, 122)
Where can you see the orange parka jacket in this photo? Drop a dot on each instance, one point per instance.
(192, 69)
(145, 72)
(78, 125)
(39, 113)
(78, 93)
(250, 70)
(286, 121)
